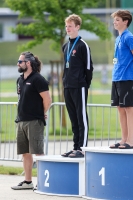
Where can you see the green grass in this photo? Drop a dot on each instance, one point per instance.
(9, 54)
(102, 52)
(98, 124)
(15, 171)
(8, 85)
(8, 99)
(99, 98)
(99, 118)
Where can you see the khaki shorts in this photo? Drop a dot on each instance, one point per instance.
(30, 137)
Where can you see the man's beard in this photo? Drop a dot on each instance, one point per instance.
(20, 70)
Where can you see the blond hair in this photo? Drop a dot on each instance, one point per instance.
(124, 14)
(75, 18)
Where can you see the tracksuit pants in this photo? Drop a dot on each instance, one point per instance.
(76, 104)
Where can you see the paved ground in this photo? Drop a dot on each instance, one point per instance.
(6, 181)
(6, 193)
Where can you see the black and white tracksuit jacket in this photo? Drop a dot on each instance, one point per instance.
(76, 81)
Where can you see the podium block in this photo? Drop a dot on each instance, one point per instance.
(57, 175)
(108, 173)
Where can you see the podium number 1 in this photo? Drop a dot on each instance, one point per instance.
(102, 174)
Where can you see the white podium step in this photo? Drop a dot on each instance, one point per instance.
(63, 176)
(109, 173)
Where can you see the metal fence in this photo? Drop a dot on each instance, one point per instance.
(103, 129)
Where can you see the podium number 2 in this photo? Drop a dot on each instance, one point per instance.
(102, 174)
(46, 184)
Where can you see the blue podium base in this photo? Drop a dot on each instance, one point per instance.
(62, 176)
(54, 194)
(109, 173)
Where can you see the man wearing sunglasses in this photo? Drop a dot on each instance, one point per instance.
(33, 102)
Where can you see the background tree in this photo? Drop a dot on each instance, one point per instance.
(2, 3)
(48, 23)
(48, 20)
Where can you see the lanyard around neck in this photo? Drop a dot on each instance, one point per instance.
(69, 53)
(116, 46)
(117, 43)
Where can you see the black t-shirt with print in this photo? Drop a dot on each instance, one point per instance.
(30, 103)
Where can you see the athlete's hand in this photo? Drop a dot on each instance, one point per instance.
(45, 116)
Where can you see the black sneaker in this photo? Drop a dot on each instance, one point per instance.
(23, 186)
(35, 188)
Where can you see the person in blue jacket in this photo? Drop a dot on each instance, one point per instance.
(122, 77)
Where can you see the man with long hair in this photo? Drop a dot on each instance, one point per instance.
(33, 102)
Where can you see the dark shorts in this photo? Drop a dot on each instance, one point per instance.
(30, 137)
(122, 94)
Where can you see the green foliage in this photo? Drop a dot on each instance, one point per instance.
(48, 19)
(3, 3)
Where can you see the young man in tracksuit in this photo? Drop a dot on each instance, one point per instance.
(78, 68)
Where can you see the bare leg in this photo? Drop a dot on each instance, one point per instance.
(123, 124)
(129, 112)
(27, 164)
